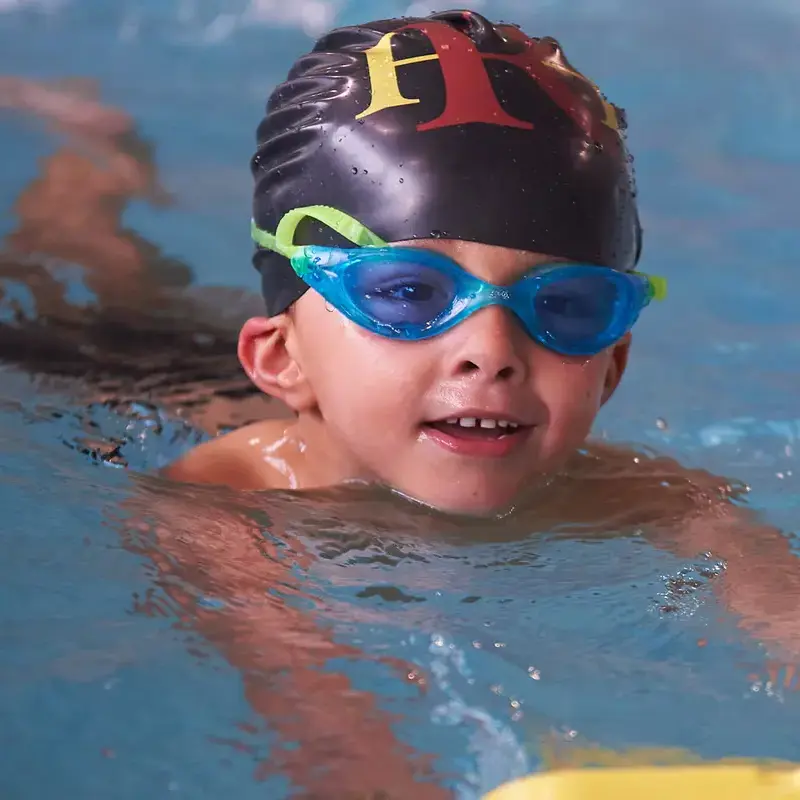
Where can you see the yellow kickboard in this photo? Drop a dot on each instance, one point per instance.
(702, 782)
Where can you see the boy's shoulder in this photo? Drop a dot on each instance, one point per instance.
(621, 483)
(235, 459)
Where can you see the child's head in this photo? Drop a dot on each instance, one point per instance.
(409, 174)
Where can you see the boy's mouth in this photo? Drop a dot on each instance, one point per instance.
(476, 428)
(475, 436)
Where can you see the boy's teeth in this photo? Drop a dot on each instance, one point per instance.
(472, 422)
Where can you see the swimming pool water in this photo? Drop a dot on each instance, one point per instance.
(107, 689)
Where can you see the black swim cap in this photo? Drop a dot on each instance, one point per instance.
(445, 127)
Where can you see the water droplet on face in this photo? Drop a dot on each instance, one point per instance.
(598, 146)
(401, 180)
(355, 170)
(366, 172)
(329, 308)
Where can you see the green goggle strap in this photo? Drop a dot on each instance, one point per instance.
(658, 286)
(282, 241)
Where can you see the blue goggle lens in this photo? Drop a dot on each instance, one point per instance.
(400, 293)
(579, 311)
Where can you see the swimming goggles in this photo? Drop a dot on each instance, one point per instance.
(412, 294)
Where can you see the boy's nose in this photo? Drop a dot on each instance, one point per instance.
(492, 343)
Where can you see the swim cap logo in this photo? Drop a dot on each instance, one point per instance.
(469, 95)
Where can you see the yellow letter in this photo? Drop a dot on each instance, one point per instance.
(383, 77)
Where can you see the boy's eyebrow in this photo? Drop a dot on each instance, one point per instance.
(525, 271)
(548, 263)
(423, 244)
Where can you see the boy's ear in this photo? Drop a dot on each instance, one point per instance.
(267, 356)
(616, 367)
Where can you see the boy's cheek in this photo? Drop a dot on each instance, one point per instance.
(574, 390)
(572, 406)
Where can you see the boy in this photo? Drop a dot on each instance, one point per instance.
(463, 364)
(458, 201)
(466, 361)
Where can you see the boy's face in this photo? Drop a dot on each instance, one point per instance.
(383, 404)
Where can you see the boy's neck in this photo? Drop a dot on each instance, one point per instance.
(314, 454)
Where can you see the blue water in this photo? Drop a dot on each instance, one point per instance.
(106, 687)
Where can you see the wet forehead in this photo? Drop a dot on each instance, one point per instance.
(494, 264)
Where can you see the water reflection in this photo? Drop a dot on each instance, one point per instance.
(143, 332)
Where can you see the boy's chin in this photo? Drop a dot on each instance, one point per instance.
(484, 504)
